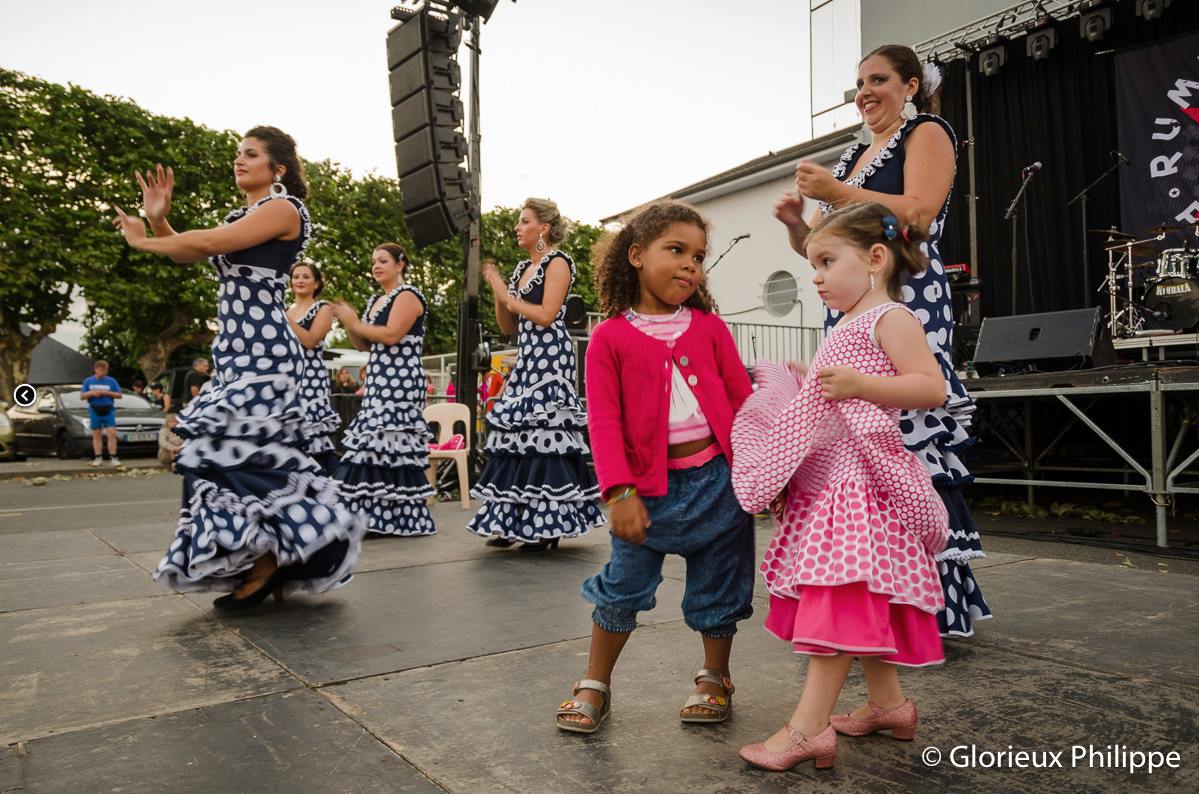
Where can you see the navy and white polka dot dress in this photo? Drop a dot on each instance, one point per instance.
(248, 486)
(938, 436)
(320, 420)
(382, 473)
(537, 484)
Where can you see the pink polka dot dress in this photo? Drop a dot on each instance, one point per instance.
(850, 568)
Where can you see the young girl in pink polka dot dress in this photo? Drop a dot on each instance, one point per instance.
(850, 569)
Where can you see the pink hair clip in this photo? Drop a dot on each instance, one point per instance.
(905, 234)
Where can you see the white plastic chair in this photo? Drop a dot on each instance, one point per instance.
(446, 416)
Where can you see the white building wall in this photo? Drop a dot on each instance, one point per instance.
(737, 282)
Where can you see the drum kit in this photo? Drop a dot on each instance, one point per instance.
(1151, 291)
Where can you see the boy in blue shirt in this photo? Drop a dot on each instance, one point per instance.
(100, 390)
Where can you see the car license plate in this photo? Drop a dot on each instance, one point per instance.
(148, 436)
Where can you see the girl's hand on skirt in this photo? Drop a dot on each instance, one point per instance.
(629, 518)
(839, 383)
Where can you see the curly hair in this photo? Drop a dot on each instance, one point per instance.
(616, 280)
(281, 151)
(862, 225)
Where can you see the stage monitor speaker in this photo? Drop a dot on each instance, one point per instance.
(1044, 342)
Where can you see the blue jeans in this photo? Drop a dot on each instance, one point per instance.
(700, 519)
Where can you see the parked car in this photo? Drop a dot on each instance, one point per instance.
(56, 424)
(8, 442)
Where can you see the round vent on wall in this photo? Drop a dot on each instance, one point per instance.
(780, 293)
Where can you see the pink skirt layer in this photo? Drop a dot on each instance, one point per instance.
(850, 619)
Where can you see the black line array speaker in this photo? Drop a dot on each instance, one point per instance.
(426, 121)
(1044, 342)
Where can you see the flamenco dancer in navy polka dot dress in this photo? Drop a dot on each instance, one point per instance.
(911, 154)
(311, 320)
(258, 516)
(382, 473)
(536, 486)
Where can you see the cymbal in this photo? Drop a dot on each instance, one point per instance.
(1113, 232)
(1139, 250)
(1164, 230)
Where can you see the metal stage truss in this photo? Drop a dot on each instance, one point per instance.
(1087, 396)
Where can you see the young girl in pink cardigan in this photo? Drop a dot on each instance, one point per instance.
(664, 381)
(850, 569)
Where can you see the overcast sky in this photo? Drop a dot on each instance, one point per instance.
(598, 105)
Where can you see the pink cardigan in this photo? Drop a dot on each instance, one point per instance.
(628, 395)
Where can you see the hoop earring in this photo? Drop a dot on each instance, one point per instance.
(278, 190)
(540, 243)
(909, 109)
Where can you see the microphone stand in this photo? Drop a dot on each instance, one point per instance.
(1082, 197)
(1013, 215)
(734, 242)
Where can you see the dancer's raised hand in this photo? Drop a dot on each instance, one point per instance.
(789, 210)
(816, 181)
(131, 226)
(157, 187)
(344, 312)
(491, 275)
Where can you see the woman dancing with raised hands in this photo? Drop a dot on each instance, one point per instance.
(258, 516)
(536, 486)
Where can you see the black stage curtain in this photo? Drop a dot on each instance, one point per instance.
(1061, 112)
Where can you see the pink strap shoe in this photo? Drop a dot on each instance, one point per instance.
(900, 720)
(822, 748)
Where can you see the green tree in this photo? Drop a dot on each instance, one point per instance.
(48, 214)
(67, 155)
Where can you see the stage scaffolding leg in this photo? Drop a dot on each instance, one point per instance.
(1157, 431)
(1030, 464)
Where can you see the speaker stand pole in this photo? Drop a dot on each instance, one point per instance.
(975, 265)
(1013, 215)
(469, 321)
(1081, 199)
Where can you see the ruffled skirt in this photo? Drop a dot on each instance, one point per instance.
(537, 484)
(250, 490)
(852, 619)
(938, 438)
(964, 602)
(383, 472)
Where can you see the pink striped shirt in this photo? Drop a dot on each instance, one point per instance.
(687, 421)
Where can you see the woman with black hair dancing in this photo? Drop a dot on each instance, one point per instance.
(258, 515)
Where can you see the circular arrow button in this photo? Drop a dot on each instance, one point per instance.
(24, 395)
